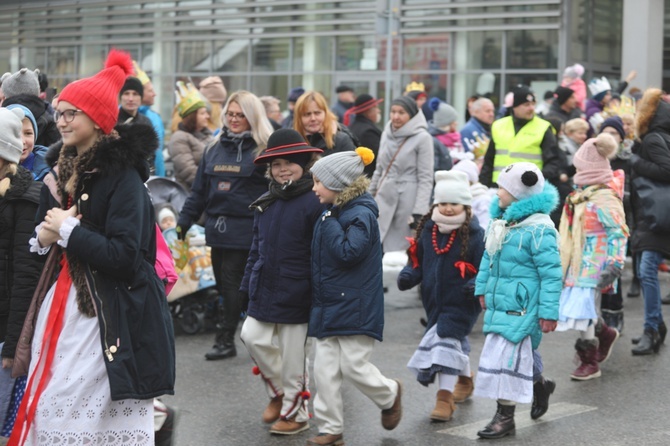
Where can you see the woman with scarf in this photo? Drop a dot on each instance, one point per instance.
(277, 280)
(103, 345)
(226, 182)
(403, 180)
(593, 251)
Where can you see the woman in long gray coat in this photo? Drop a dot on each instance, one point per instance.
(403, 179)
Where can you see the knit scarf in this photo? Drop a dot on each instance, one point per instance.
(447, 224)
(286, 191)
(571, 228)
(593, 177)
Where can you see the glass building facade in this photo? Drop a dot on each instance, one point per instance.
(456, 48)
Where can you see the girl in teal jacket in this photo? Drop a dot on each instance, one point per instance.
(519, 284)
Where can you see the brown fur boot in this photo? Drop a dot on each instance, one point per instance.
(464, 388)
(444, 406)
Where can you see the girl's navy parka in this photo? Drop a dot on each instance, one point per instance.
(348, 293)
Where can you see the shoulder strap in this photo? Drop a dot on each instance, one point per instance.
(395, 155)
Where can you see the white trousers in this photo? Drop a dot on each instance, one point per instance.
(281, 352)
(346, 357)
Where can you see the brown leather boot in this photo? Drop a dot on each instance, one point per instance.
(289, 426)
(587, 350)
(444, 406)
(391, 417)
(326, 440)
(273, 410)
(464, 388)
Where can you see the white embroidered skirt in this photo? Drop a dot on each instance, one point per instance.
(438, 355)
(577, 308)
(505, 370)
(76, 407)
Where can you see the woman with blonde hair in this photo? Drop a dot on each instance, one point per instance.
(318, 125)
(226, 183)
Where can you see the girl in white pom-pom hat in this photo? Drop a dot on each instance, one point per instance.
(519, 284)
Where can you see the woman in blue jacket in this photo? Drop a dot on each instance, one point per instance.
(277, 280)
(226, 183)
(519, 285)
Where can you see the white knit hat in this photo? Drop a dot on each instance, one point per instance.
(452, 187)
(470, 169)
(521, 180)
(11, 127)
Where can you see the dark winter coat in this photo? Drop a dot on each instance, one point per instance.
(115, 245)
(139, 118)
(342, 141)
(278, 272)
(348, 294)
(447, 296)
(340, 108)
(368, 135)
(226, 183)
(19, 268)
(555, 111)
(47, 132)
(651, 159)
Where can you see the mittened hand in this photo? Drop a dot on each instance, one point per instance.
(404, 281)
(181, 232)
(608, 276)
(414, 221)
(469, 291)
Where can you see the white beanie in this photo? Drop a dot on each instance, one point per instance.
(521, 180)
(166, 212)
(470, 169)
(339, 170)
(11, 127)
(452, 187)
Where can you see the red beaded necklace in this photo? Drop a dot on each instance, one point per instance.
(446, 249)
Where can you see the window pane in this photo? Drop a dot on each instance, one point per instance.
(313, 53)
(271, 55)
(532, 49)
(607, 31)
(194, 57)
(231, 55)
(270, 85)
(426, 52)
(92, 59)
(33, 57)
(579, 29)
(61, 61)
(481, 49)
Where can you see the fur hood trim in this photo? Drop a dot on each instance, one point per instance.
(17, 185)
(127, 146)
(542, 203)
(354, 190)
(647, 108)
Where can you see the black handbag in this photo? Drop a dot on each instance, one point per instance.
(653, 207)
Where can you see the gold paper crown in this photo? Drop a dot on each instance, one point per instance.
(188, 98)
(140, 74)
(412, 86)
(626, 106)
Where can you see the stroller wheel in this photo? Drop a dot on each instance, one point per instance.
(192, 321)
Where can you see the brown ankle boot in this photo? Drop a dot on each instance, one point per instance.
(464, 388)
(273, 410)
(444, 406)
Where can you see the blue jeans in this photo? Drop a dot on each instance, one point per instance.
(651, 289)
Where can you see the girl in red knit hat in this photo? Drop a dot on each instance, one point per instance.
(102, 341)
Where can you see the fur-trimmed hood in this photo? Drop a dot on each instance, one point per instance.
(543, 203)
(653, 113)
(354, 190)
(19, 186)
(127, 146)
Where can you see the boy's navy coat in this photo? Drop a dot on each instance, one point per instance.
(348, 294)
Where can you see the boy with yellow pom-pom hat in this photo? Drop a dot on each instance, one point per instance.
(347, 313)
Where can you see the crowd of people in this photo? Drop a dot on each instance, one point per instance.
(526, 214)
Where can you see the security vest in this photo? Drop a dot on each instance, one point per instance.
(514, 148)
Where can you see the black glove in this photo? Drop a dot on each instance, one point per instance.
(469, 291)
(181, 231)
(608, 276)
(404, 281)
(416, 218)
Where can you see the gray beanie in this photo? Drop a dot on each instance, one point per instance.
(339, 170)
(443, 113)
(11, 127)
(23, 81)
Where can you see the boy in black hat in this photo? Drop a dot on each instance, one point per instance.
(345, 100)
(131, 99)
(277, 280)
(366, 109)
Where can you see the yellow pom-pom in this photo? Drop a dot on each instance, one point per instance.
(366, 155)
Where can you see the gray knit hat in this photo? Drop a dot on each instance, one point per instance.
(443, 113)
(23, 81)
(11, 144)
(339, 170)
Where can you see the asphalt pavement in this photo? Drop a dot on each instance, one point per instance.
(221, 402)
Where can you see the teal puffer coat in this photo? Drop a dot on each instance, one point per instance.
(521, 278)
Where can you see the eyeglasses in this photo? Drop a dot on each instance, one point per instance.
(232, 115)
(68, 115)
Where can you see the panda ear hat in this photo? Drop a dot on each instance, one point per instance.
(521, 180)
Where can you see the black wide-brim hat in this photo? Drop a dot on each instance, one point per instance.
(282, 144)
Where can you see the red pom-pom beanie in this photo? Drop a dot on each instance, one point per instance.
(97, 96)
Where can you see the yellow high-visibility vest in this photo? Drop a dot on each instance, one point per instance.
(514, 148)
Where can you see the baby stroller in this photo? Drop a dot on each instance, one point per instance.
(194, 299)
